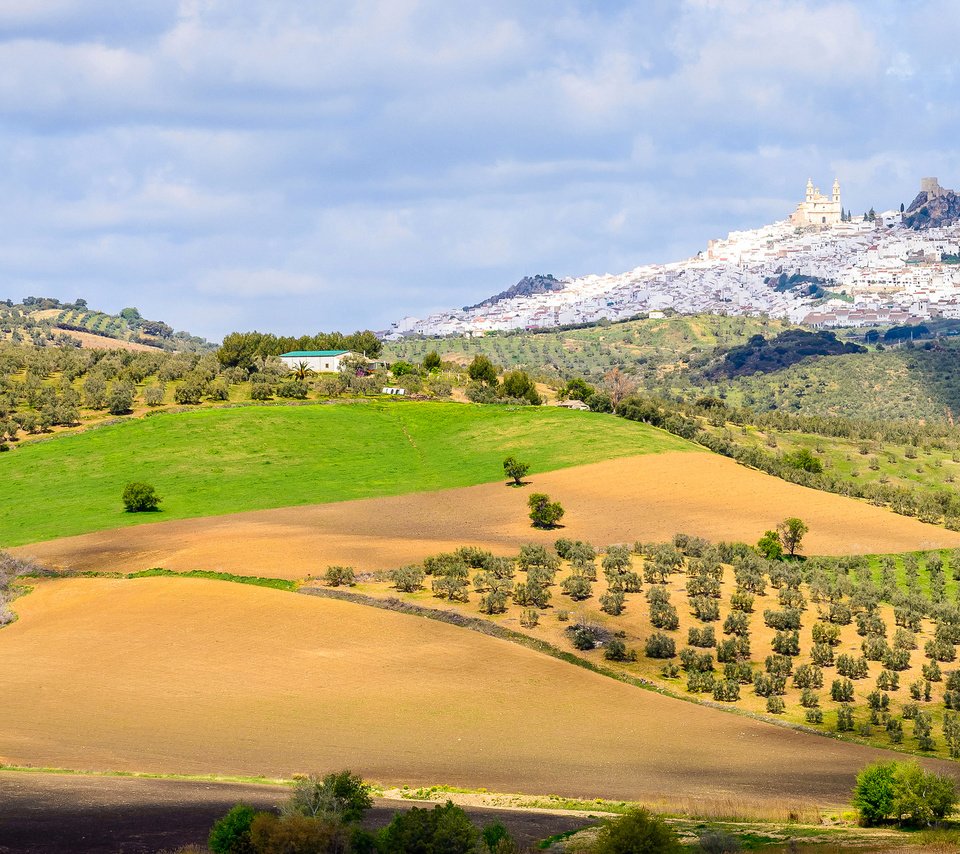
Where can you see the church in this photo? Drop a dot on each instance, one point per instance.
(818, 211)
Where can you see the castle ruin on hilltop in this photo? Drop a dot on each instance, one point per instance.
(817, 210)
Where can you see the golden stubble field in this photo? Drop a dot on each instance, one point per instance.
(637, 498)
(191, 676)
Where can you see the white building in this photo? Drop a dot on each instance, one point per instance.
(320, 361)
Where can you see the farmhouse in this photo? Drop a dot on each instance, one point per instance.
(321, 361)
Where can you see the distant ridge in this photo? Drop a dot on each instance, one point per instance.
(527, 286)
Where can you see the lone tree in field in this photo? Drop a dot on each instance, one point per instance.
(140, 498)
(516, 470)
(791, 532)
(431, 362)
(544, 513)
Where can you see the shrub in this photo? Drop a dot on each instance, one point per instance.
(120, 401)
(612, 602)
(822, 655)
(841, 691)
(814, 716)
(897, 659)
(737, 623)
(544, 513)
(786, 643)
(740, 671)
(231, 834)
(444, 828)
(826, 633)
(726, 691)
(887, 680)
(407, 579)
(140, 498)
(873, 793)
(341, 796)
(733, 650)
(529, 618)
(291, 390)
(583, 637)
(808, 676)
(658, 645)
(704, 609)
(338, 575)
(845, 718)
(742, 601)
(940, 650)
(699, 682)
(191, 391)
(788, 619)
(778, 665)
(903, 791)
(664, 616)
(636, 831)
(577, 587)
(775, 705)
(494, 602)
(809, 698)
(617, 651)
(854, 668)
(703, 638)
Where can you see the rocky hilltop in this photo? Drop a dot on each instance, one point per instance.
(932, 210)
(526, 287)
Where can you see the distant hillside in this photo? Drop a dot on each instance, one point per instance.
(932, 212)
(653, 351)
(763, 355)
(527, 286)
(45, 321)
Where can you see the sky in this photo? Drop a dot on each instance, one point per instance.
(295, 167)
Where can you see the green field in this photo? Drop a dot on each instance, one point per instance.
(216, 461)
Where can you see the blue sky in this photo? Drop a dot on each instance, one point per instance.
(291, 166)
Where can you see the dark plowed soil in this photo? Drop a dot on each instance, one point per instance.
(51, 813)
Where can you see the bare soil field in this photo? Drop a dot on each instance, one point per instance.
(42, 813)
(191, 676)
(645, 498)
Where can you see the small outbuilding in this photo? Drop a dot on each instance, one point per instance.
(320, 361)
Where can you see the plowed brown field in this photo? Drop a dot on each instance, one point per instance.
(637, 498)
(191, 676)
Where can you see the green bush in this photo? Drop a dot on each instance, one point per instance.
(637, 832)
(904, 792)
(658, 645)
(140, 497)
(544, 513)
(444, 829)
(335, 576)
(231, 834)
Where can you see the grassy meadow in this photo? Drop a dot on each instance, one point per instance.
(216, 461)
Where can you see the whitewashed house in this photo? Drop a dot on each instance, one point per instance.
(319, 361)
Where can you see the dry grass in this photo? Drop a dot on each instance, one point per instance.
(637, 498)
(191, 676)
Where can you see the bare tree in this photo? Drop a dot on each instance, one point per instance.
(618, 385)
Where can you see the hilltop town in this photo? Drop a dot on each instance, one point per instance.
(822, 267)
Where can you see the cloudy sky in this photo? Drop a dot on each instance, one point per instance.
(292, 166)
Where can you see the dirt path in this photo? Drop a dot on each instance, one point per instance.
(48, 813)
(196, 677)
(649, 497)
